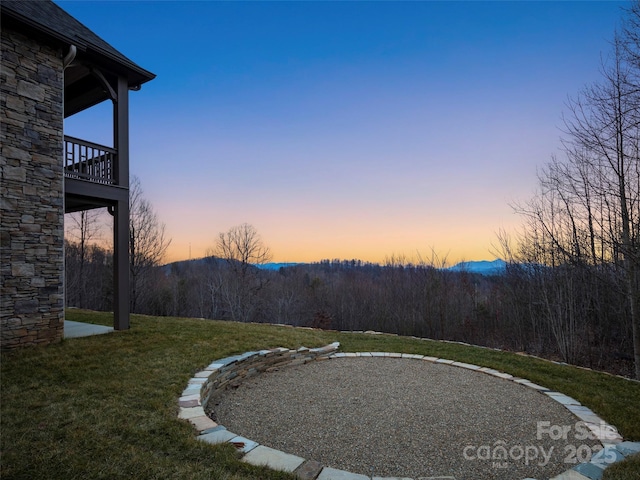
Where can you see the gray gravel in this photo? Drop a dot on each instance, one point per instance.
(401, 417)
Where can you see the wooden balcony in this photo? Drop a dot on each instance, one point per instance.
(89, 161)
(91, 175)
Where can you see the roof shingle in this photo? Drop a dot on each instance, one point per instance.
(51, 20)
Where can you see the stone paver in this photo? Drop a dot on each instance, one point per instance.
(192, 389)
(413, 356)
(570, 475)
(189, 400)
(269, 457)
(466, 365)
(309, 470)
(210, 432)
(335, 474)
(219, 436)
(530, 384)
(213, 429)
(396, 478)
(607, 456)
(202, 423)
(450, 478)
(604, 432)
(628, 448)
(243, 444)
(191, 412)
(562, 398)
(590, 470)
(430, 359)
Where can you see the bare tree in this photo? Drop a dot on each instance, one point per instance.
(604, 124)
(242, 248)
(83, 230)
(587, 211)
(147, 241)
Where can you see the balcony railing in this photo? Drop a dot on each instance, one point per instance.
(89, 161)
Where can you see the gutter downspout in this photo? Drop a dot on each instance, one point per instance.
(66, 61)
(70, 56)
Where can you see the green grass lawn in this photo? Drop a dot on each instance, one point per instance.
(106, 406)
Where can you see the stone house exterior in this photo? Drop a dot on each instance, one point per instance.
(51, 67)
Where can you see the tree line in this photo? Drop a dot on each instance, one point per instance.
(572, 286)
(584, 221)
(564, 313)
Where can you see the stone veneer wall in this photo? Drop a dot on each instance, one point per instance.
(31, 192)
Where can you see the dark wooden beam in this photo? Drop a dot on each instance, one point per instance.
(121, 133)
(121, 210)
(121, 265)
(82, 90)
(97, 191)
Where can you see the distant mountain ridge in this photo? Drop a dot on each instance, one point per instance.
(483, 267)
(277, 266)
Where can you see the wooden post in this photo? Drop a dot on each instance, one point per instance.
(121, 212)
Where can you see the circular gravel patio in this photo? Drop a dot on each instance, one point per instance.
(393, 417)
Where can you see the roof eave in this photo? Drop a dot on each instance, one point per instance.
(135, 74)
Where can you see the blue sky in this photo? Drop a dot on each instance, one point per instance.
(346, 129)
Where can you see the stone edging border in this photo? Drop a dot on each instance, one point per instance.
(465, 344)
(231, 371)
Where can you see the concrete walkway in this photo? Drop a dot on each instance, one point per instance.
(79, 329)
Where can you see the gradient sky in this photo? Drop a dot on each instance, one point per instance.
(346, 129)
